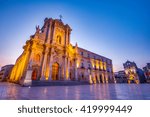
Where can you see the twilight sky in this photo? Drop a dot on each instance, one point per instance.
(116, 29)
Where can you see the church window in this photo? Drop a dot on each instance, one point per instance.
(82, 76)
(82, 53)
(82, 65)
(37, 58)
(59, 39)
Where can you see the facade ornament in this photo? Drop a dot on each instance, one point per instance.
(38, 29)
(60, 16)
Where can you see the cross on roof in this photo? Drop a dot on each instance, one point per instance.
(60, 16)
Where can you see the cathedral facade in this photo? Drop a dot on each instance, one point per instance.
(49, 55)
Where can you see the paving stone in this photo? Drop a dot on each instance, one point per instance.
(11, 91)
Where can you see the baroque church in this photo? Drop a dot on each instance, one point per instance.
(48, 55)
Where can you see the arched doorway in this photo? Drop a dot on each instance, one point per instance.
(34, 74)
(82, 76)
(96, 79)
(101, 80)
(55, 71)
(70, 75)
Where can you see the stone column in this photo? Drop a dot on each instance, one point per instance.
(59, 73)
(50, 66)
(68, 66)
(90, 78)
(22, 64)
(103, 79)
(106, 78)
(44, 66)
(53, 34)
(50, 72)
(45, 53)
(66, 37)
(49, 32)
(62, 72)
(76, 77)
(65, 67)
(26, 60)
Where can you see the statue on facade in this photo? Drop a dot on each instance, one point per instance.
(38, 29)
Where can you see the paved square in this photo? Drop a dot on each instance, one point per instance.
(10, 91)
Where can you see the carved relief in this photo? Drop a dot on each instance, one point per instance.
(59, 36)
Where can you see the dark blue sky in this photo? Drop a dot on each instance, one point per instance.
(117, 29)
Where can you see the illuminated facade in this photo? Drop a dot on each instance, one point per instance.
(133, 73)
(49, 55)
(120, 77)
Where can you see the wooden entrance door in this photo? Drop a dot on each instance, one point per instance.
(55, 71)
(34, 74)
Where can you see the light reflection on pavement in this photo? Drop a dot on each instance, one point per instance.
(9, 91)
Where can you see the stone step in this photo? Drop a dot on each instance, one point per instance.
(58, 83)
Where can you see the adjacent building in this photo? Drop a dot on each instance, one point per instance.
(133, 73)
(120, 77)
(147, 72)
(49, 55)
(5, 72)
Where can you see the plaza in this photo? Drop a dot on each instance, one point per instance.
(11, 91)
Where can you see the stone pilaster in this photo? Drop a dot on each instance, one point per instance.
(49, 32)
(98, 78)
(50, 71)
(44, 66)
(53, 35)
(59, 73)
(76, 77)
(106, 78)
(66, 37)
(65, 67)
(68, 69)
(103, 79)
